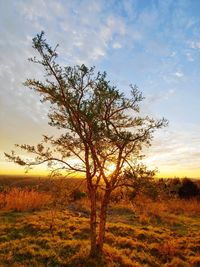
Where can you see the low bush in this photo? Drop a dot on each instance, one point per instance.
(188, 189)
(77, 194)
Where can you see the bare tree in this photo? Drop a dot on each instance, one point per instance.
(99, 127)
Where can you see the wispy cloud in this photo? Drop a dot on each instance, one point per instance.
(176, 150)
(116, 45)
(178, 74)
(195, 45)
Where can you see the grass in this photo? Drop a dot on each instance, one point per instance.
(26, 240)
(18, 199)
(139, 234)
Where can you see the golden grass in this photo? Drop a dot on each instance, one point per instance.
(190, 206)
(23, 200)
(146, 207)
(26, 240)
(141, 233)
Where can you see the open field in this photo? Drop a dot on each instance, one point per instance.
(141, 233)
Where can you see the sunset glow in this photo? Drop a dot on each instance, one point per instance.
(153, 44)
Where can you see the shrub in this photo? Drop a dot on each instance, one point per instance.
(144, 186)
(188, 189)
(77, 194)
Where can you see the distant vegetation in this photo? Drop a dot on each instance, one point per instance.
(157, 227)
(75, 189)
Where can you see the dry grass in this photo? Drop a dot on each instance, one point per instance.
(146, 207)
(144, 233)
(191, 206)
(23, 200)
(26, 239)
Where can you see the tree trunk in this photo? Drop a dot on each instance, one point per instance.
(93, 235)
(102, 221)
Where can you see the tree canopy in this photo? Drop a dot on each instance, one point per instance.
(99, 126)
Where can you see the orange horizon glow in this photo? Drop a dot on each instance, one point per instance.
(12, 169)
(164, 171)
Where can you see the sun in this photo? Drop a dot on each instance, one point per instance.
(110, 169)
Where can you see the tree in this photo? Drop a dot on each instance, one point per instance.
(99, 127)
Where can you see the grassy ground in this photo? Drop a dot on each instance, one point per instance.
(61, 238)
(142, 233)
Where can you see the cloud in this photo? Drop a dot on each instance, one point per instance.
(189, 57)
(84, 30)
(116, 45)
(176, 150)
(173, 54)
(195, 45)
(162, 95)
(179, 74)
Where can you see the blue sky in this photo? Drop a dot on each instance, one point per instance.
(154, 44)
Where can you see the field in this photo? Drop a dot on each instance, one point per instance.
(143, 232)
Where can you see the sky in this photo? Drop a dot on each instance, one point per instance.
(154, 44)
